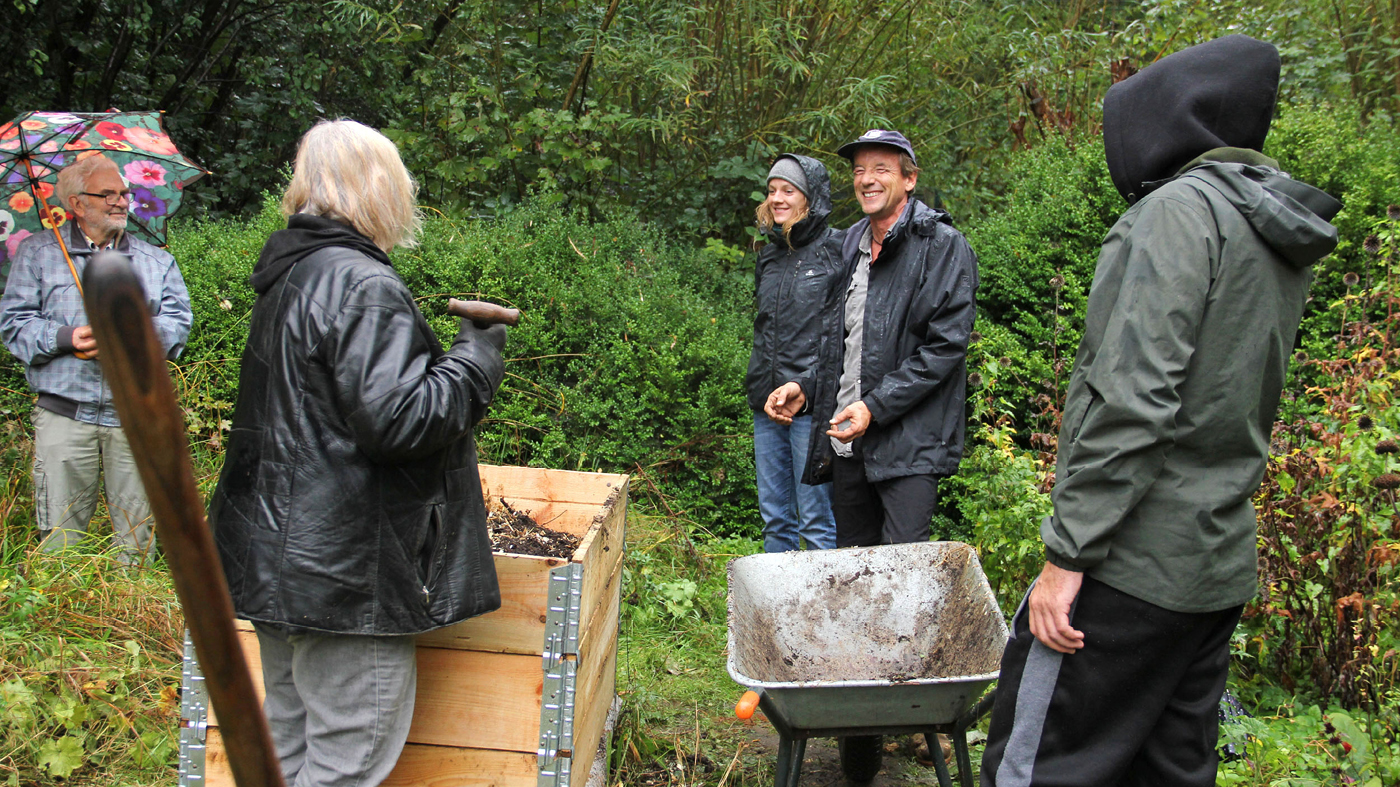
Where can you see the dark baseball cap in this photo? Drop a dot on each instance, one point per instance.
(878, 136)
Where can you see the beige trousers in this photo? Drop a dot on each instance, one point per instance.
(70, 457)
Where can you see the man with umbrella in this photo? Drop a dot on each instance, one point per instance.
(42, 322)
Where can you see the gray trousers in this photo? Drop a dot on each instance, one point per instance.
(339, 706)
(70, 457)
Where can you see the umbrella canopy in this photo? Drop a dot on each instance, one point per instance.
(36, 145)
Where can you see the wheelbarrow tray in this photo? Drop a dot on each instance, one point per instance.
(865, 640)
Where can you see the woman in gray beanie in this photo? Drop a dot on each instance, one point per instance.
(796, 281)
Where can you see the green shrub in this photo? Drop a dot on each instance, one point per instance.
(630, 358)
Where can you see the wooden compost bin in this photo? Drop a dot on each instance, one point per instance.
(518, 697)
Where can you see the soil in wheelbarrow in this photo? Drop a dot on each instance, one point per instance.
(516, 532)
(955, 637)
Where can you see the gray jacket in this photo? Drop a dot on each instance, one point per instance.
(41, 300)
(1191, 320)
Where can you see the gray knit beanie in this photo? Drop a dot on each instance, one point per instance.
(788, 169)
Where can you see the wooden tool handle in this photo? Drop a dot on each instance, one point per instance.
(134, 364)
(483, 313)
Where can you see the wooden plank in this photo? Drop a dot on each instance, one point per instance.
(518, 626)
(601, 553)
(602, 624)
(418, 766)
(464, 698)
(591, 663)
(480, 700)
(588, 726)
(537, 483)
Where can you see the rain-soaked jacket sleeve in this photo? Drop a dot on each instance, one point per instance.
(950, 290)
(1120, 419)
(401, 399)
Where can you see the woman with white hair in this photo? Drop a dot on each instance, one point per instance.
(349, 514)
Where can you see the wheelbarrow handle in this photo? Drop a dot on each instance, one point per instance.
(747, 704)
(134, 364)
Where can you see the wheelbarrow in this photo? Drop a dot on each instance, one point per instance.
(860, 643)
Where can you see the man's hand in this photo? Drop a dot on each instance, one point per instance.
(84, 346)
(1049, 606)
(784, 403)
(859, 417)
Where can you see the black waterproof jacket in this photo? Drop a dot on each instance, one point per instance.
(919, 311)
(796, 285)
(349, 500)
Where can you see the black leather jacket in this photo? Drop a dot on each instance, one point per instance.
(796, 286)
(919, 311)
(349, 500)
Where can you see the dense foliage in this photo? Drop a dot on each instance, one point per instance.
(670, 107)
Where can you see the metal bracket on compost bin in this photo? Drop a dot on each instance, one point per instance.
(194, 719)
(557, 724)
(562, 613)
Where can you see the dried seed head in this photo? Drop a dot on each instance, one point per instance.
(1004, 361)
(974, 380)
(1387, 447)
(1387, 481)
(1372, 244)
(1392, 212)
(1300, 357)
(1057, 282)
(1364, 422)
(1351, 279)
(974, 337)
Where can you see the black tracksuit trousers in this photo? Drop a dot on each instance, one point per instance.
(1138, 705)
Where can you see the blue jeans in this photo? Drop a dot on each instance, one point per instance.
(789, 507)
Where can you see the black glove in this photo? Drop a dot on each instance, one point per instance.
(471, 333)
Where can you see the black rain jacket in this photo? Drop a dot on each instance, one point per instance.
(349, 500)
(796, 286)
(919, 311)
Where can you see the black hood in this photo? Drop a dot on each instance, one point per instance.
(1214, 95)
(818, 204)
(306, 234)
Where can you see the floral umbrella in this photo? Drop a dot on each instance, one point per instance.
(36, 145)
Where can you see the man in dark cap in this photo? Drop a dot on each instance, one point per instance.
(892, 379)
(1119, 655)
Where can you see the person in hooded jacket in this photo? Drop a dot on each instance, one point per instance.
(893, 374)
(796, 284)
(349, 514)
(1120, 653)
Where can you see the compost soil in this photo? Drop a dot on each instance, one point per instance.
(516, 532)
(962, 640)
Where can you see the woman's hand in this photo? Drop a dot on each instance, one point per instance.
(784, 403)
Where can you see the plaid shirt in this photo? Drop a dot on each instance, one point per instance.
(41, 297)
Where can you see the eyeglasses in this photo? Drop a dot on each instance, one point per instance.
(110, 197)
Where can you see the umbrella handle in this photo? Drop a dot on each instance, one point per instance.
(134, 364)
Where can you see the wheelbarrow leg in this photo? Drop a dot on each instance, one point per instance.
(940, 767)
(963, 757)
(799, 751)
(780, 772)
(960, 728)
(790, 754)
